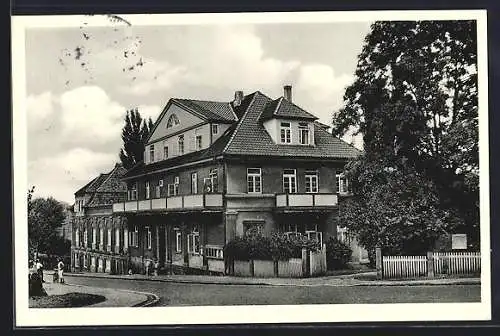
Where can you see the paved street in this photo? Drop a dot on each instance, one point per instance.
(179, 294)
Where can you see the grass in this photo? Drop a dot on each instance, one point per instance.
(68, 300)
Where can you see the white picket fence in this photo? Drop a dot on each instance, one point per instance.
(404, 266)
(457, 263)
(450, 263)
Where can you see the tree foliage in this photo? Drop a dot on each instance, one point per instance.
(135, 133)
(414, 100)
(45, 215)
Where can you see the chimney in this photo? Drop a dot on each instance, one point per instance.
(287, 92)
(238, 97)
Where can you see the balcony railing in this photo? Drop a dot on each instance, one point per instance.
(173, 203)
(306, 200)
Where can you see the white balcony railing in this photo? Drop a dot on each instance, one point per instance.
(306, 200)
(185, 202)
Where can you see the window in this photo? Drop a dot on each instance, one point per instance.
(148, 191)
(125, 238)
(215, 129)
(286, 132)
(101, 237)
(194, 241)
(152, 153)
(254, 180)
(158, 188)
(148, 237)
(180, 142)
(109, 237)
(132, 193)
(311, 181)
(117, 237)
(172, 121)
(210, 184)
(94, 237)
(77, 237)
(312, 233)
(178, 240)
(342, 184)
(291, 230)
(253, 227)
(85, 238)
(303, 134)
(173, 188)
(194, 183)
(289, 181)
(135, 237)
(199, 142)
(165, 150)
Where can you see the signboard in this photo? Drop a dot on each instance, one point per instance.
(459, 242)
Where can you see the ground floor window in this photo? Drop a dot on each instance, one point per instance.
(148, 237)
(178, 240)
(253, 227)
(194, 241)
(313, 233)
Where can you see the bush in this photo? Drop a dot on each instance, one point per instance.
(338, 254)
(277, 247)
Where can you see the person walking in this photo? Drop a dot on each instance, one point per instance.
(39, 269)
(60, 271)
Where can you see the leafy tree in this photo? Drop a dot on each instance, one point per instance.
(135, 133)
(414, 100)
(45, 215)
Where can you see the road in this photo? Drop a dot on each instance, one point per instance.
(188, 294)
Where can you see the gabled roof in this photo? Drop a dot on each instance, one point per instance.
(113, 182)
(210, 110)
(282, 108)
(96, 183)
(247, 136)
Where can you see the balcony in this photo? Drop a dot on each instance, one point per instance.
(309, 201)
(173, 203)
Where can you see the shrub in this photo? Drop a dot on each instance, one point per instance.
(277, 247)
(338, 254)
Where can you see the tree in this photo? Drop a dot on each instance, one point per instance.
(414, 100)
(135, 133)
(44, 217)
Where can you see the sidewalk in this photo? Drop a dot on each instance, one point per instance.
(114, 297)
(338, 280)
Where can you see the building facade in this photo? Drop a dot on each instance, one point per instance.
(213, 170)
(99, 238)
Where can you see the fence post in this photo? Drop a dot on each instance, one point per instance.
(305, 264)
(430, 264)
(252, 270)
(379, 263)
(275, 266)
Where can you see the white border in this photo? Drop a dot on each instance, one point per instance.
(238, 314)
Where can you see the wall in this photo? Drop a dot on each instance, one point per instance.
(272, 177)
(273, 127)
(184, 179)
(186, 120)
(173, 144)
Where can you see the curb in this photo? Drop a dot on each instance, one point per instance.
(199, 282)
(151, 298)
(232, 283)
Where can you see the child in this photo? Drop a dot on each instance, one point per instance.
(60, 271)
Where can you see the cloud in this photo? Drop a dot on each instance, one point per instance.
(40, 107)
(88, 114)
(61, 175)
(149, 111)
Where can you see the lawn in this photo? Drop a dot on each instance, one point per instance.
(68, 300)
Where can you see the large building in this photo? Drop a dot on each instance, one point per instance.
(214, 170)
(99, 238)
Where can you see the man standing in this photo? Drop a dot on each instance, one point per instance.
(60, 270)
(39, 269)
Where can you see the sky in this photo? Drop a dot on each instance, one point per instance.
(81, 80)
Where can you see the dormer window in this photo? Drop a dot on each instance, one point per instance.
(172, 121)
(199, 142)
(165, 150)
(215, 129)
(286, 132)
(303, 134)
